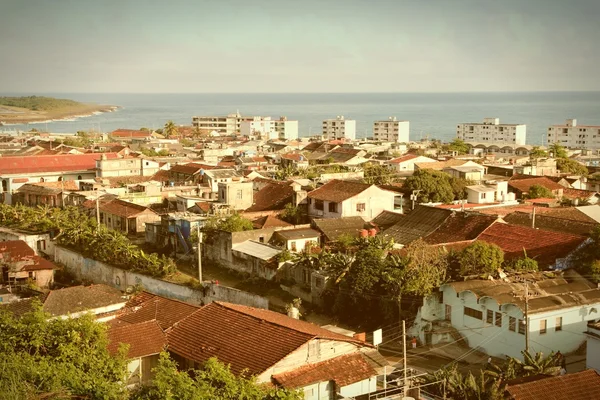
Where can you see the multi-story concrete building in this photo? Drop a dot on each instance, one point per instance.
(391, 130)
(339, 128)
(269, 129)
(492, 131)
(228, 124)
(572, 135)
(126, 166)
(285, 129)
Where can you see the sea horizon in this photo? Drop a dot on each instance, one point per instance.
(431, 114)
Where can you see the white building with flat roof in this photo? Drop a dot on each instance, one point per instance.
(492, 131)
(391, 130)
(269, 129)
(286, 129)
(339, 128)
(575, 136)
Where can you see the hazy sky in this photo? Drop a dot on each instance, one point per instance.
(298, 46)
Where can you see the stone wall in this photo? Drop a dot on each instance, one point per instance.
(91, 270)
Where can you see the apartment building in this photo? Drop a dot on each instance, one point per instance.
(228, 124)
(126, 166)
(285, 129)
(576, 136)
(391, 130)
(492, 131)
(339, 128)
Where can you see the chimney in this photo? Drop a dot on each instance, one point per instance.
(360, 336)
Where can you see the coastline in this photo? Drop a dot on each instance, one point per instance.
(34, 117)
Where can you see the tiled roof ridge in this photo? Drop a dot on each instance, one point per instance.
(337, 336)
(155, 296)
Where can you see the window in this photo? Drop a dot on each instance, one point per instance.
(360, 207)
(319, 282)
(239, 194)
(542, 326)
(332, 207)
(512, 324)
(471, 312)
(558, 325)
(319, 205)
(293, 246)
(498, 319)
(522, 326)
(261, 239)
(41, 245)
(489, 317)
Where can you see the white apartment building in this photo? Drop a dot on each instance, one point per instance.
(268, 129)
(126, 166)
(391, 130)
(339, 128)
(492, 131)
(575, 136)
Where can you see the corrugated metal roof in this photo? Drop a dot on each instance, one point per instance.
(258, 250)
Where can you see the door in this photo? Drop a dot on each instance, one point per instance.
(448, 312)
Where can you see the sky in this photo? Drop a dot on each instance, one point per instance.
(269, 46)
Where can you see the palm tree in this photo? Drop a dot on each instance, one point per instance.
(170, 129)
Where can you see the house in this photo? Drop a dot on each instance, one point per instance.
(337, 199)
(333, 228)
(142, 325)
(578, 196)
(103, 301)
(272, 199)
(19, 264)
(131, 135)
(460, 227)
(297, 240)
(469, 171)
(236, 195)
(488, 193)
(277, 349)
(406, 163)
(40, 243)
(126, 166)
(294, 160)
(592, 359)
(17, 171)
(190, 172)
(50, 194)
(520, 186)
(215, 176)
(584, 385)
(549, 249)
(490, 315)
(269, 221)
(123, 216)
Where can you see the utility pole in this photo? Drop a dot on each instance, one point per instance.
(199, 254)
(533, 218)
(526, 317)
(404, 352)
(97, 207)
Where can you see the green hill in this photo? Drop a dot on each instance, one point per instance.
(38, 103)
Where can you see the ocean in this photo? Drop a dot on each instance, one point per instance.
(432, 115)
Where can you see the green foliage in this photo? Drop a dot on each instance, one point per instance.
(170, 129)
(539, 192)
(531, 365)
(569, 166)
(285, 255)
(232, 223)
(557, 151)
(536, 152)
(38, 103)
(80, 232)
(377, 174)
(435, 186)
(480, 258)
(153, 153)
(186, 142)
(293, 214)
(214, 381)
(82, 139)
(587, 258)
(524, 264)
(450, 383)
(459, 146)
(57, 358)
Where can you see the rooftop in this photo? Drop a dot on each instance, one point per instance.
(459, 227)
(81, 298)
(144, 339)
(149, 307)
(523, 185)
(274, 196)
(419, 223)
(295, 234)
(337, 191)
(255, 249)
(269, 221)
(333, 228)
(50, 163)
(584, 385)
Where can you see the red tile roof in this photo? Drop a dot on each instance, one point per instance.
(523, 185)
(338, 191)
(130, 133)
(15, 249)
(56, 163)
(343, 370)
(149, 307)
(583, 385)
(123, 208)
(460, 227)
(18, 251)
(269, 221)
(294, 157)
(543, 246)
(203, 205)
(578, 194)
(274, 196)
(244, 337)
(144, 339)
(404, 158)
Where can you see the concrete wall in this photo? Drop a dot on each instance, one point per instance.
(593, 350)
(87, 269)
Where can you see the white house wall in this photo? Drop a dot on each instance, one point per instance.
(593, 351)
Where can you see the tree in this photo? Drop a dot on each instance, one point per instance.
(292, 214)
(170, 129)
(214, 381)
(536, 152)
(539, 192)
(459, 146)
(480, 258)
(449, 382)
(569, 166)
(58, 358)
(433, 186)
(524, 264)
(531, 365)
(557, 151)
(377, 174)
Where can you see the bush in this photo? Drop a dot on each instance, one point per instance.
(480, 258)
(539, 192)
